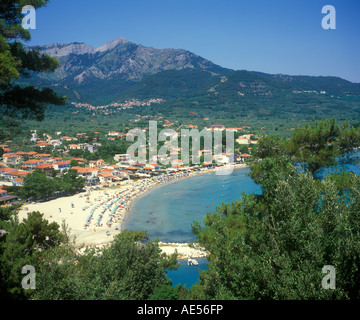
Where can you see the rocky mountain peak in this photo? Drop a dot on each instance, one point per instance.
(111, 44)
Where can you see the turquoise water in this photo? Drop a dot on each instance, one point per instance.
(187, 275)
(348, 163)
(167, 212)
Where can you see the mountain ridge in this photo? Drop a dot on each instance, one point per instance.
(120, 69)
(80, 62)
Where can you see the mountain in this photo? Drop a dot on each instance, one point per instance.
(119, 59)
(242, 94)
(104, 74)
(120, 69)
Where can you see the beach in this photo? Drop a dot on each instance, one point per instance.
(95, 216)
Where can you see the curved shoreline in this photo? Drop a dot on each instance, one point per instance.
(159, 185)
(127, 194)
(184, 250)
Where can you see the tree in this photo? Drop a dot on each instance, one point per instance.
(128, 269)
(71, 182)
(314, 147)
(318, 146)
(284, 240)
(16, 61)
(165, 292)
(23, 244)
(37, 185)
(74, 163)
(268, 147)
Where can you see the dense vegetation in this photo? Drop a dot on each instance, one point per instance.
(38, 185)
(128, 269)
(236, 93)
(314, 148)
(268, 246)
(22, 101)
(274, 246)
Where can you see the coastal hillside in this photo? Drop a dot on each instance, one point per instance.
(121, 69)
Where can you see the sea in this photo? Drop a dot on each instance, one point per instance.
(167, 212)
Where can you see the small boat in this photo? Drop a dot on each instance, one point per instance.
(192, 262)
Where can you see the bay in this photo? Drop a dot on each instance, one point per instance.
(167, 212)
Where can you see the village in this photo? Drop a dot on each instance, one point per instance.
(16, 165)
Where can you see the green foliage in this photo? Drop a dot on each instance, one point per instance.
(23, 244)
(274, 246)
(319, 146)
(172, 84)
(8, 65)
(38, 185)
(341, 180)
(74, 163)
(287, 235)
(269, 171)
(70, 182)
(165, 292)
(268, 146)
(128, 270)
(16, 61)
(313, 147)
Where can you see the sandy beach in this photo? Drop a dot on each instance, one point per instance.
(95, 216)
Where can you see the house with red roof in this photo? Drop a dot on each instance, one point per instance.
(62, 165)
(31, 164)
(98, 163)
(45, 167)
(3, 193)
(4, 170)
(11, 175)
(106, 177)
(12, 159)
(131, 170)
(74, 147)
(66, 138)
(90, 174)
(43, 144)
(245, 156)
(18, 182)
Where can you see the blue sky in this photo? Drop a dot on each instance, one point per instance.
(274, 36)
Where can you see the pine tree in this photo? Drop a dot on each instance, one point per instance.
(16, 61)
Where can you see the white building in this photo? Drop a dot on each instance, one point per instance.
(122, 158)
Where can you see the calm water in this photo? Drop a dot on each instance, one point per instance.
(187, 275)
(349, 164)
(167, 212)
